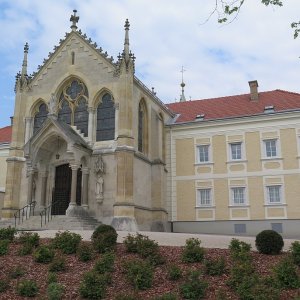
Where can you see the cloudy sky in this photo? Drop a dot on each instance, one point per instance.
(164, 35)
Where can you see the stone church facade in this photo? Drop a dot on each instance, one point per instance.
(88, 138)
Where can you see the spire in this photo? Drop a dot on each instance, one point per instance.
(24, 65)
(74, 19)
(126, 42)
(182, 96)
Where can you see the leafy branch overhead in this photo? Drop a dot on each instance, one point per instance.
(227, 11)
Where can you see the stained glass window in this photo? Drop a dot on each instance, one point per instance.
(40, 117)
(105, 119)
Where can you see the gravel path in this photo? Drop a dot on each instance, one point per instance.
(173, 239)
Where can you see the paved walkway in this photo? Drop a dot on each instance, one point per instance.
(173, 239)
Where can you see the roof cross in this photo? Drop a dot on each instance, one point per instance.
(74, 19)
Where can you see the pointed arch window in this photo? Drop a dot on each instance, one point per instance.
(142, 128)
(73, 105)
(40, 117)
(105, 119)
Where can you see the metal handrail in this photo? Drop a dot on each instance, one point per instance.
(24, 212)
(47, 213)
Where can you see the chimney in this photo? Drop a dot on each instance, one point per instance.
(11, 121)
(253, 90)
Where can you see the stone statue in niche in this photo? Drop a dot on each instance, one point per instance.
(99, 172)
(52, 105)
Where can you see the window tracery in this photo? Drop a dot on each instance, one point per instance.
(73, 105)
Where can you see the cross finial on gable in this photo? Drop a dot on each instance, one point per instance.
(74, 19)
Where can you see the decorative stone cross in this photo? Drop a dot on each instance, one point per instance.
(74, 19)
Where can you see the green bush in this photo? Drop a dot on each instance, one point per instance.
(285, 274)
(27, 288)
(4, 285)
(131, 242)
(104, 238)
(215, 267)
(58, 264)
(25, 249)
(240, 272)
(52, 277)
(93, 285)
(55, 291)
(269, 242)
(167, 296)
(174, 272)
(4, 245)
(43, 254)
(105, 263)
(7, 233)
(193, 287)
(145, 247)
(17, 272)
(66, 241)
(239, 250)
(139, 273)
(192, 251)
(30, 238)
(295, 252)
(84, 252)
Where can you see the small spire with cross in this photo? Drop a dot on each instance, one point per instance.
(24, 65)
(182, 96)
(74, 19)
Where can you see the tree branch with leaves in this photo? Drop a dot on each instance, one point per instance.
(228, 11)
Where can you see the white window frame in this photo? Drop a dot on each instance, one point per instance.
(199, 204)
(231, 156)
(208, 154)
(270, 156)
(232, 189)
(280, 193)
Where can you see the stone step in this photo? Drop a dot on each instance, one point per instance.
(56, 223)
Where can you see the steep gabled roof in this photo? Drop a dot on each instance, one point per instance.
(5, 134)
(235, 106)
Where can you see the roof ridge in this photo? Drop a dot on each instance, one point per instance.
(231, 96)
(5, 127)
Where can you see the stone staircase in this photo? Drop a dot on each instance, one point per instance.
(56, 223)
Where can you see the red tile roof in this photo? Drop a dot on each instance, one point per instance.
(235, 106)
(5, 134)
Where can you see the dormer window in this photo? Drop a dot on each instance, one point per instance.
(269, 109)
(200, 117)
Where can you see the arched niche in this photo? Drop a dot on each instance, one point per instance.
(39, 113)
(142, 127)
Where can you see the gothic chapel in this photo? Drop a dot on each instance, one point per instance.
(88, 138)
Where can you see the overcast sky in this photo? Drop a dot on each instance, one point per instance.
(164, 35)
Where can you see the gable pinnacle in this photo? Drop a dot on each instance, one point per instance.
(74, 19)
(126, 42)
(24, 65)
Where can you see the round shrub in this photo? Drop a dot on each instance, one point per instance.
(192, 251)
(43, 254)
(104, 238)
(269, 242)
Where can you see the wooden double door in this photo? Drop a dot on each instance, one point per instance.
(62, 189)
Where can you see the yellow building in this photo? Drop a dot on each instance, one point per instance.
(234, 163)
(90, 139)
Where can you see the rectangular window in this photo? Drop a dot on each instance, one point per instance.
(238, 196)
(204, 197)
(271, 148)
(203, 153)
(236, 151)
(274, 193)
